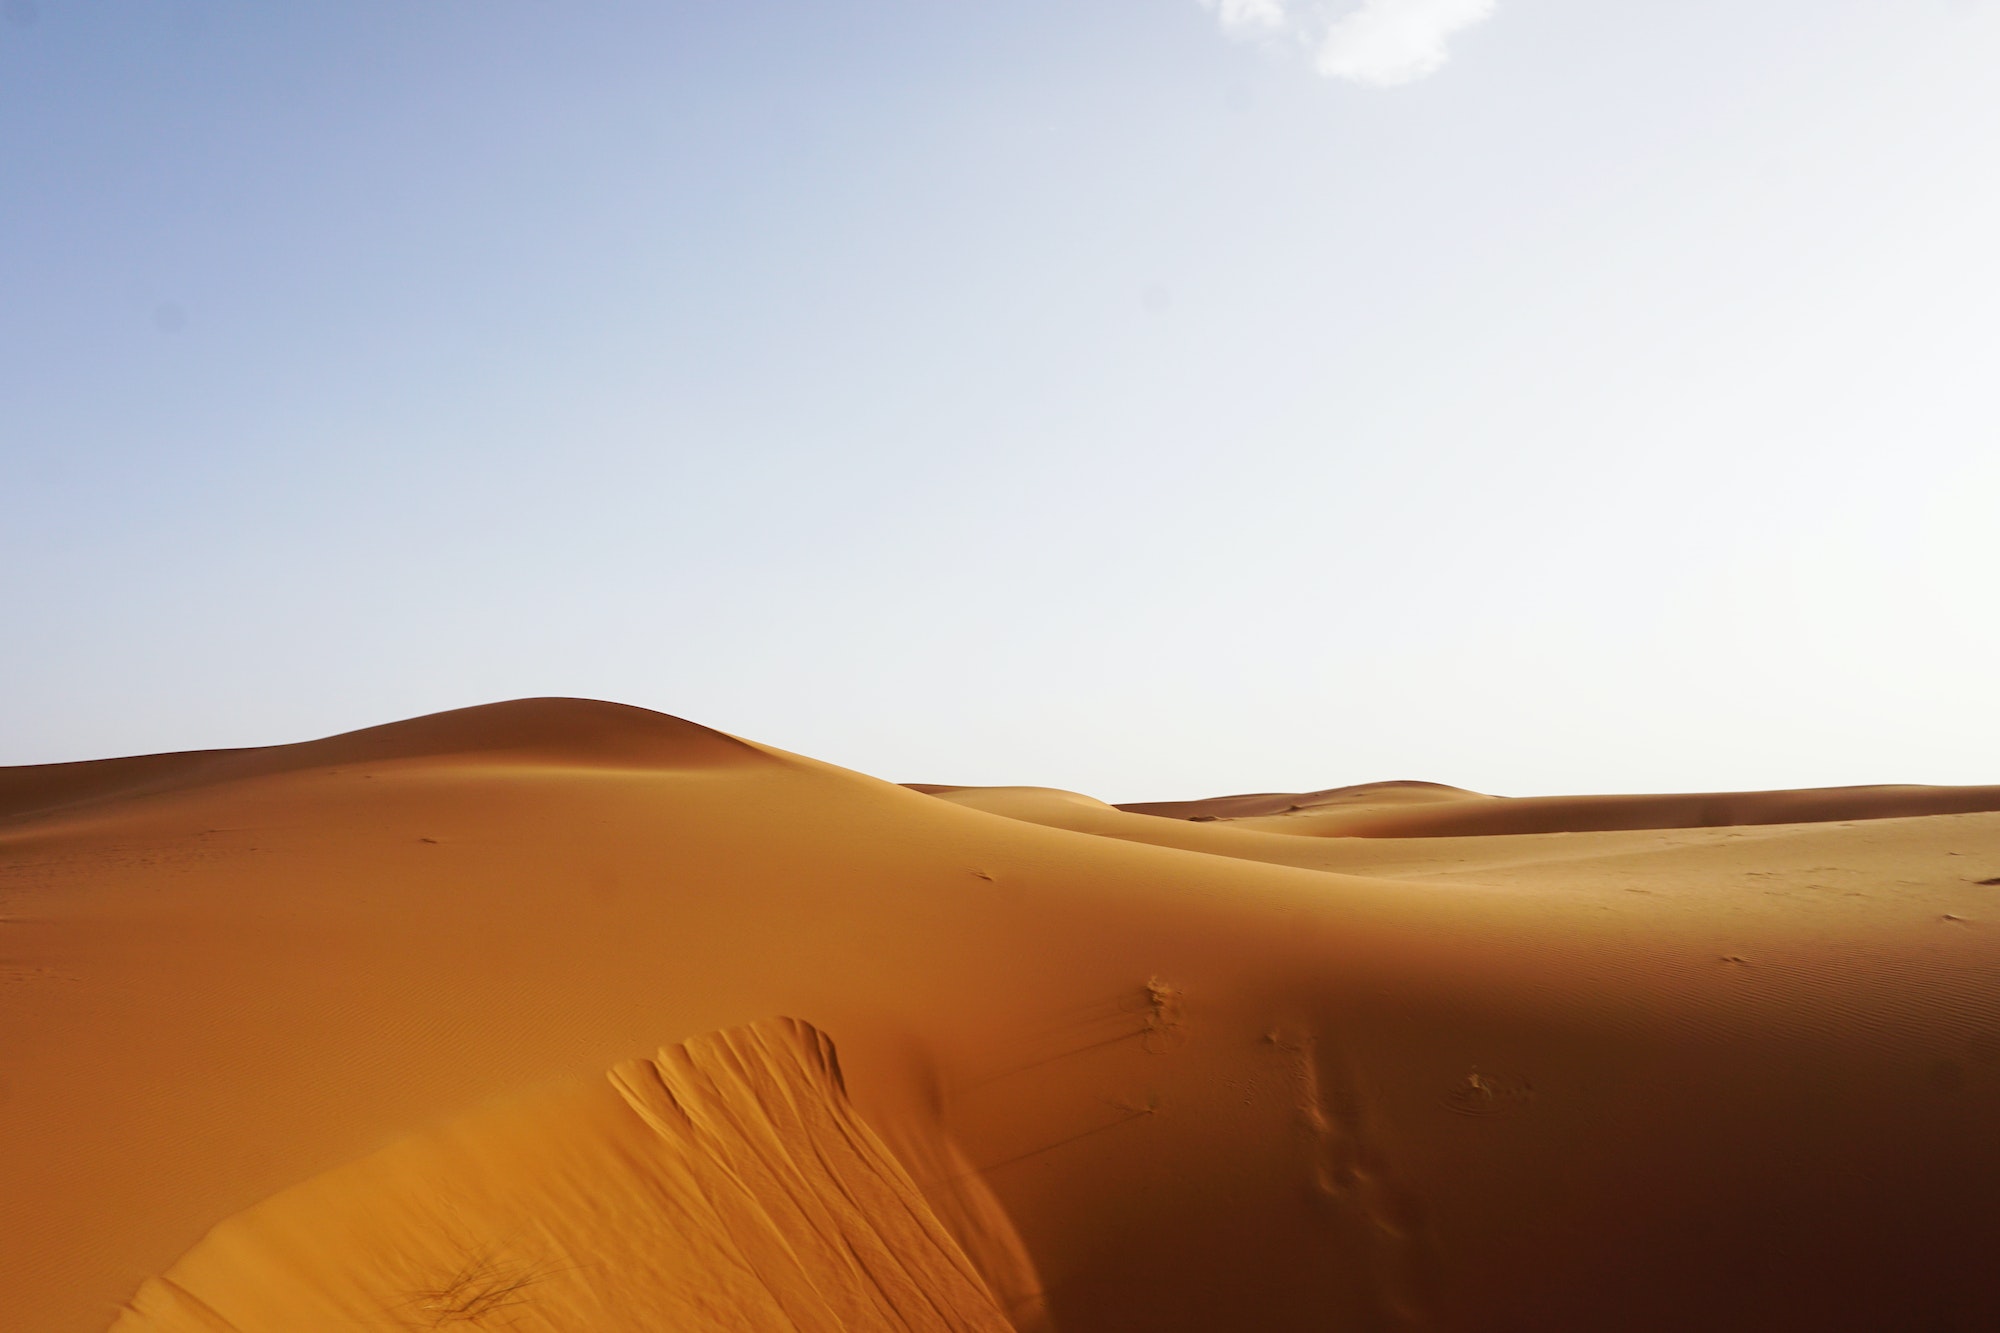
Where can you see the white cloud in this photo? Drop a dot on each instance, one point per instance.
(1383, 42)
(1388, 42)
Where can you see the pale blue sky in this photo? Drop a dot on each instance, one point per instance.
(1144, 397)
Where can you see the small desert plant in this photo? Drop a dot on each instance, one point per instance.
(478, 1291)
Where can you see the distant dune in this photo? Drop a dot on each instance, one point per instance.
(1429, 810)
(524, 1017)
(1278, 803)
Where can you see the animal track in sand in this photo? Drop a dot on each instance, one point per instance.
(1488, 1096)
(1165, 1017)
(1353, 1176)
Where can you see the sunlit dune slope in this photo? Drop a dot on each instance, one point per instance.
(1143, 1072)
(723, 1186)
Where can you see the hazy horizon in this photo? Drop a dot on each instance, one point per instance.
(1154, 399)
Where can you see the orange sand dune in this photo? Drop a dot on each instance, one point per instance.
(1278, 803)
(546, 732)
(1429, 810)
(316, 1037)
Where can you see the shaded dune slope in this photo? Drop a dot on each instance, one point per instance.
(724, 1186)
(560, 732)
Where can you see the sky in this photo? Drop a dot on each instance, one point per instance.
(1150, 398)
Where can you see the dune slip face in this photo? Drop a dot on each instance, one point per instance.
(725, 1185)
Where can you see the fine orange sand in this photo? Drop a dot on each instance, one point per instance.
(560, 1015)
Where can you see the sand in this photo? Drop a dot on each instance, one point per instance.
(564, 1015)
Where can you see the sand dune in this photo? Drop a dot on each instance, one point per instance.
(549, 732)
(1277, 803)
(1430, 810)
(319, 1033)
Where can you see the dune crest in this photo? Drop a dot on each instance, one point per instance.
(724, 1185)
(583, 733)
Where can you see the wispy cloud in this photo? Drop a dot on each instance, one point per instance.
(1378, 42)
(1239, 16)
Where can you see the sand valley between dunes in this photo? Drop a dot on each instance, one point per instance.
(561, 1015)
